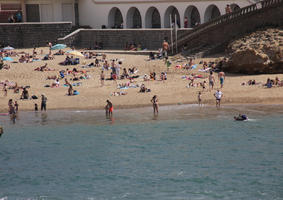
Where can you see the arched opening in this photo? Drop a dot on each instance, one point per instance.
(152, 18)
(173, 12)
(192, 17)
(115, 18)
(134, 18)
(211, 12)
(234, 7)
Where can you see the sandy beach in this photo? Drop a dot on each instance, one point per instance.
(92, 96)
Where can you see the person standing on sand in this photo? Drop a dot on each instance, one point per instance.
(102, 77)
(218, 95)
(165, 49)
(211, 80)
(5, 90)
(16, 105)
(221, 76)
(109, 106)
(199, 98)
(154, 102)
(43, 102)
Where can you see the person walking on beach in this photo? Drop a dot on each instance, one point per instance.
(218, 95)
(12, 111)
(154, 102)
(221, 76)
(43, 102)
(16, 105)
(165, 49)
(102, 77)
(199, 98)
(35, 107)
(109, 106)
(5, 90)
(211, 80)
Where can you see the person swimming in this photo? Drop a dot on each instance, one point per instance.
(241, 117)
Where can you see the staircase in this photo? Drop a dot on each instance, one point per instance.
(219, 31)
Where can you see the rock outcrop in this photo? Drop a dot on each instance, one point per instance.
(259, 52)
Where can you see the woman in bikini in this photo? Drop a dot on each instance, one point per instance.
(154, 102)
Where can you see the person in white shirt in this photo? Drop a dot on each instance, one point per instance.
(218, 95)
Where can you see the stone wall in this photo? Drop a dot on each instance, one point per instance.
(117, 38)
(218, 36)
(26, 35)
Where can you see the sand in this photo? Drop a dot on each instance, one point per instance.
(93, 96)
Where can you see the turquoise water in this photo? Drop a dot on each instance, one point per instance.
(181, 154)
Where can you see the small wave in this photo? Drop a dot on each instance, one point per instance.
(251, 120)
(3, 198)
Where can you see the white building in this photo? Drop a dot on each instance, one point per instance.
(122, 13)
(40, 10)
(151, 13)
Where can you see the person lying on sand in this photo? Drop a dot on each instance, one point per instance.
(56, 83)
(43, 68)
(52, 77)
(119, 93)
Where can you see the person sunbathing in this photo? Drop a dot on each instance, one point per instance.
(125, 74)
(52, 77)
(25, 94)
(143, 89)
(60, 52)
(6, 66)
(146, 77)
(22, 59)
(56, 83)
(42, 68)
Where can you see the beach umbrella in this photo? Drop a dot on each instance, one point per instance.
(58, 46)
(7, 59)
(75, 53)
(8, 48)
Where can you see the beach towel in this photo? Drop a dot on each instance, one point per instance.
(194, 66)
(204, 70)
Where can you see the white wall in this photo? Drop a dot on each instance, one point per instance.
(95, 15)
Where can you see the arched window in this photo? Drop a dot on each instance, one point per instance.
(173, 12)
(115, 18)
(152, 18)
(211, 12)
(134, 18)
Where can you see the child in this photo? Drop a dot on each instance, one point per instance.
(35, 107)
(16, 106)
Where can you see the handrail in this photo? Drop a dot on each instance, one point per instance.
(228, 17)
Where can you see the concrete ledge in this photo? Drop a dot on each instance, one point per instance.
(36, 23)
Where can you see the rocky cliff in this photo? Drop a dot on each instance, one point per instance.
(259, 52)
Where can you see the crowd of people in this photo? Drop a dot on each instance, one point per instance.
(117, 71)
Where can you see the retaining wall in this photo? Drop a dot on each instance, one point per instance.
(26, 35)
(117, 38)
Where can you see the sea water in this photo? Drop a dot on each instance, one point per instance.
(183, 153)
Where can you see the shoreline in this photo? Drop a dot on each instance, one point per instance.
(171, 105)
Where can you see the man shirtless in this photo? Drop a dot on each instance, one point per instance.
(211, 80)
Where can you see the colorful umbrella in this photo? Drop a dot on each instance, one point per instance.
(75, 53)
(8, 48)
(58, 46)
